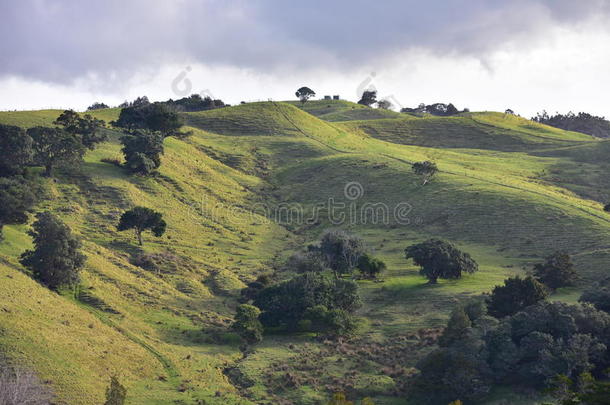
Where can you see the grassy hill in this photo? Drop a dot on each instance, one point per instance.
(237, 195)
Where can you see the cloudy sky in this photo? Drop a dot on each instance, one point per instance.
(483, 54)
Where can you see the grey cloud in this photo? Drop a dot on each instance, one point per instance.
(59, 41)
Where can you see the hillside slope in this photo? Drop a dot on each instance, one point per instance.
(251, 185)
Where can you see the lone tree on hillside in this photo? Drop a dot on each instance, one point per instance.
(16, 146)
(369, 97)
(426, 170)
(341, 251)
(370, 266)
(304, 94)
(141, 219)
(557, 271)
(55, 147)
(56, 259)
(516, 294)
(247, 325)
(440, 259)
(87, 127)
(142, 150)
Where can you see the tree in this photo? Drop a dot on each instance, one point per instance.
(557, 271)
(115, 393)
(284, 304)
(54, 147)
(16, 144)
(97, 106)
(306, 262)
(426, 170)
(457, 327)
(341, 251)
(56, 259)
(17, 196)
(304, 94)
(86, 128)
(142, 151)
(247, 324)
(370, 266)
(141, 219)
(516, 294)
(440, 259)
(369, 97)
(153, 117)
(384, 104)
(607, 207)
(598, 295)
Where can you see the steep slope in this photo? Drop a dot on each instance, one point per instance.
(251, 185)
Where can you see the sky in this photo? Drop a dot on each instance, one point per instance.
(527, 55)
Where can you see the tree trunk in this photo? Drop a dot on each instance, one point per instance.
(139, 236)
(48, 170)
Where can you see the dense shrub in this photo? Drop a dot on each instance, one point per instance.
(284, 304)
(17, 144)
(247, 324)
(142, 151)
(598, 295)
(370, 266)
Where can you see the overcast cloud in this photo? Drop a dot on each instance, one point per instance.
(65, 53)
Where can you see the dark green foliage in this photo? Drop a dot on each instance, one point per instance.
(457, 327)
(581, 122)
(529, 348)
(516, 294)
(87, 127)
(384, 104)
(156, 117)
(115, 393)
(17, 196)
(252, 289)
(54, 147)
(557, 271)
(97, 106)
(441, 109)
(195, 103)
(598, 295)
(341, 251)
(370, 266)
(56, 259)
(306, 262)
(304, 94)
(142, 150)
(607, 207)
(426, 170)
(369, 97)
(585, 390)
(285, 304)
(440, 259)
(16, 149)
(141, 219)
(329, 323)
(247, 325)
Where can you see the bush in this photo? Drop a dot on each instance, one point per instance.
(247, 324)
(285, 304)
(142, 151)
(17, 144)
(370, 266)
(329, 323)
(56, 260)
(306, 262)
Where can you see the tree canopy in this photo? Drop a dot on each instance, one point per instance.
(141, 219)
(557, 271)
(516, 293)
(304, 94)
(369, 97)
(440, 259)
(152, 116)
(88, 128)
(55, 147)
(426, 170)
(142, 150)
(17, 144)
(341, 251)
